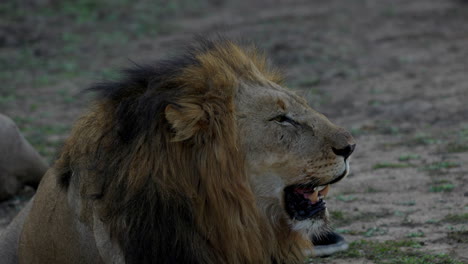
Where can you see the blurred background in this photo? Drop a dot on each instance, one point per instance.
(393, 72)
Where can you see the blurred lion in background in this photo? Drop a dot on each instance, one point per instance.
(205, 158)
(20, 164)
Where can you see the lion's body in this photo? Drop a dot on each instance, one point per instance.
(173, 166)
(20, 164)
(9, 238)
(52, 233)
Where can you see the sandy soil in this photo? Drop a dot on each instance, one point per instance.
(392, 72)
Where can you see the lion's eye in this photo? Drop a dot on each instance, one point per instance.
(283, 119)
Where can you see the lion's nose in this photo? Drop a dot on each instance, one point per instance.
(345, 152)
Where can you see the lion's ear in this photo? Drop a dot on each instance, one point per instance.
(186, 119)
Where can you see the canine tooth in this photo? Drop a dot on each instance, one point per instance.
(313, 197)
(320, 188)
(325, 190)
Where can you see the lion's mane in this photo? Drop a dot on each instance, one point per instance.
(158, 155)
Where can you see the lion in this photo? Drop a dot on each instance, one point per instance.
(205, 158)
(20, 164)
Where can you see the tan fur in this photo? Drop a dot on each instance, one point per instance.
(207, 171)
(20, 164)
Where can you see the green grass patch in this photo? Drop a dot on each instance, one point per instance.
(459, 236)
(372, 190)
(408, 157)
(339, 218)
(395, 252)
(441, 181)
(460, 143)
(356, 131)
(446, 187)
(457, 147)
(388, 165)
(82, 10)
(80, 26)
(436, 166)
(5, 99)
(400, 213)
(348, 231)
(374, 103)
(309, 82)
(432, 221)
(375, 231)
(463, 134)
(385, 127)
(456, 218)
(337, 215)
(415, 234)
(424, 139)
(406, 203)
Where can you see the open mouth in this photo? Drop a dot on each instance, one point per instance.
(304, 202)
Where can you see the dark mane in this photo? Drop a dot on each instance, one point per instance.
(142, 93)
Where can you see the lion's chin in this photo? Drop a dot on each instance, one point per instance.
(315, 226)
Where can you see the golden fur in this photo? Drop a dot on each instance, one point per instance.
(161, 160)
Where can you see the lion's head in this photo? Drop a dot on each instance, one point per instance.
(205, 159)
(293, 154)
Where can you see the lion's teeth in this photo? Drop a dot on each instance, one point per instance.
(313, 197)
(325, 190)
(319, 188)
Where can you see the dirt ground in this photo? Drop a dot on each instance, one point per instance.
(393, 72)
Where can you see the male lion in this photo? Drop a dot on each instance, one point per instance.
(201, 159)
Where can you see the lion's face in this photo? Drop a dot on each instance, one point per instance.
(293, 154)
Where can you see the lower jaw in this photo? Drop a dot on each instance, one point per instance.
(301, 206)
(312, 212)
